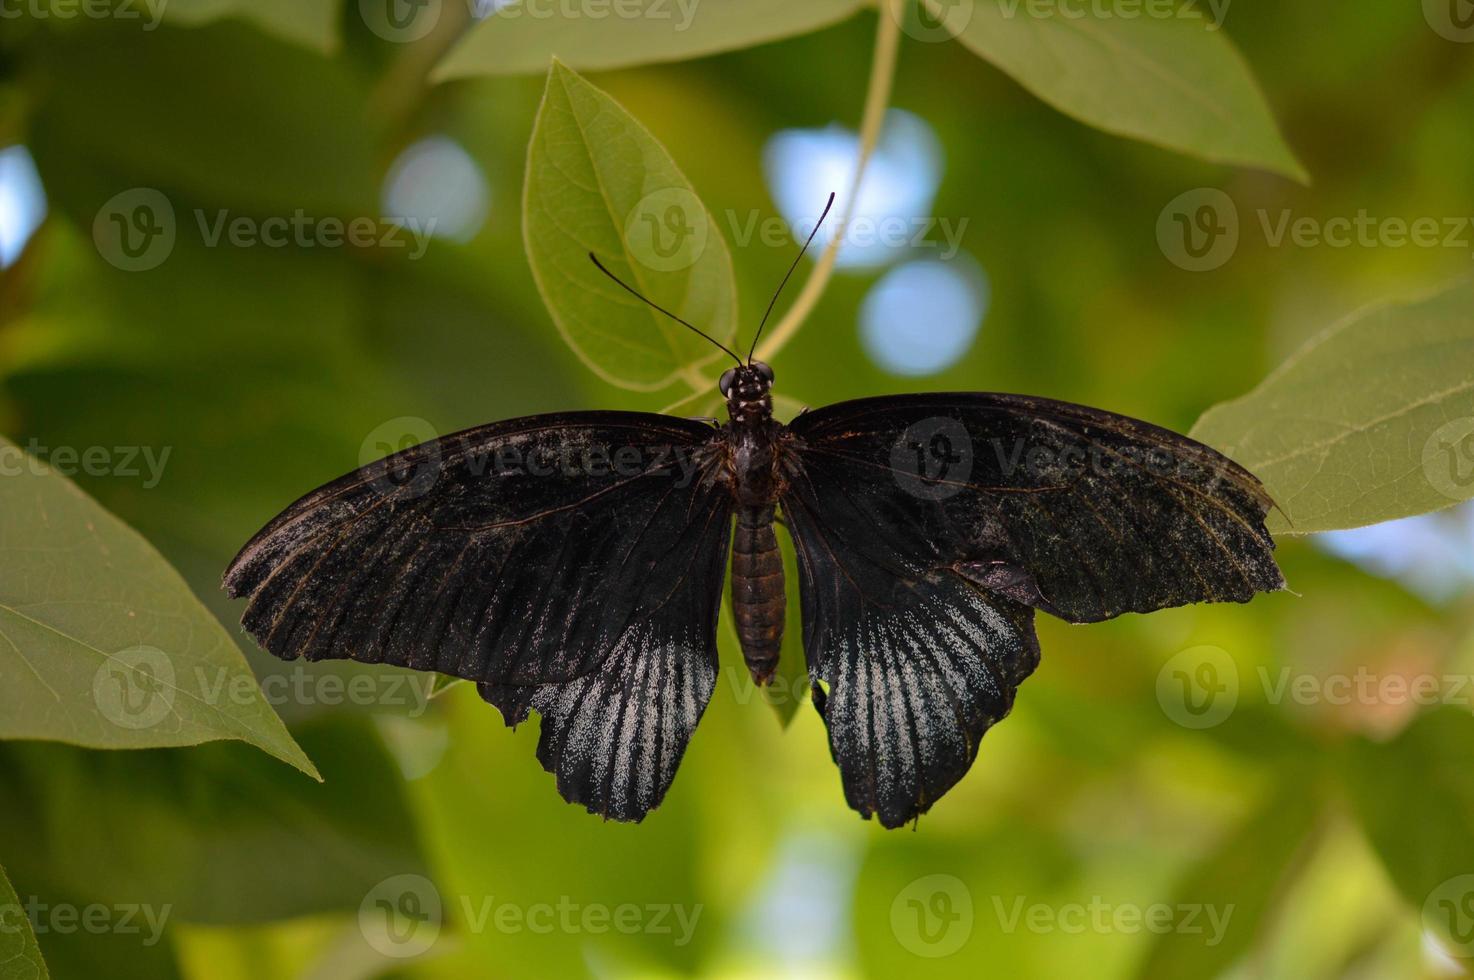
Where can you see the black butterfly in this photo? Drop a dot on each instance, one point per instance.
(572, 565)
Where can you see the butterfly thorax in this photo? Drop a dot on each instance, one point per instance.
(753, 438)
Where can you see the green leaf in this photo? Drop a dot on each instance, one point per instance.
(1371, 421)
(214, 835)
(20, 957)
(1414, 797)
(518, 41)
(1240, 880)
(598, 182)
(101, 642)
(1174, 81)
(313, 23)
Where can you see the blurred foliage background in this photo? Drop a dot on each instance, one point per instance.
(1322, 831)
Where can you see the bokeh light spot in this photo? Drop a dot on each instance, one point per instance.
(799, 919)
(436, 184)
(804, 165)
(22, 202)
(923, 316)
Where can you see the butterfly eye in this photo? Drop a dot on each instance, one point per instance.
(725, 384)
(764, 370)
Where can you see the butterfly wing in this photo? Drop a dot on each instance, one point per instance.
(569, 564)
(928, 529)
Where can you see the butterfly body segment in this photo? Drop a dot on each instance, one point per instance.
(755, 470)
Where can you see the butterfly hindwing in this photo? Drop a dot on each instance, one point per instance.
(929, 528)
(568, 564)
(614, 737)
(908, 674)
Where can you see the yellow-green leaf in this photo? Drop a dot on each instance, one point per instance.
(598, 182)
(1175, 81)
(101, 642)
(20, 957)
(1371, 421)
(520, 38)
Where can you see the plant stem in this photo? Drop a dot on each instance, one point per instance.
(882, 73)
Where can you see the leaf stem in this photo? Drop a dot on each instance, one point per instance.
(877, 99)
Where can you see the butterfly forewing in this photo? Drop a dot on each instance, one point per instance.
(1082, 513)
(569, 563)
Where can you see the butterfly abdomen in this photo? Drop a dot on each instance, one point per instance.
(757, 591)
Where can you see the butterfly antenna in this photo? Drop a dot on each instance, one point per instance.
(656, 306)
(774, 301)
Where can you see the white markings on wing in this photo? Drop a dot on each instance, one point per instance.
(913, 688)
(615, 737)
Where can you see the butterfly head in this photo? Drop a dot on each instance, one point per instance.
(746, 389)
